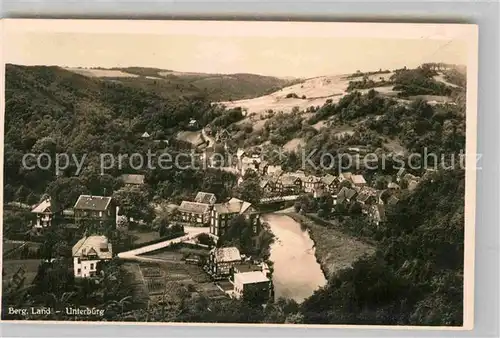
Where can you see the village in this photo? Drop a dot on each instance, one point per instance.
(195, 247)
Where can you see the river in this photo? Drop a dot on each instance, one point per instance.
(296, 274)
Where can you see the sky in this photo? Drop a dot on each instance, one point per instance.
(280, 49)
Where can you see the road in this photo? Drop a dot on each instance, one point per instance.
(191, 233)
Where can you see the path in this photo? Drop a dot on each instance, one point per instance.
(191, 233)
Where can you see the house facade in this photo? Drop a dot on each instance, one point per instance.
(87, 253)
(44, 214)
(131, 180)
(194, 212)
(223, 213)
(253, 286)
(95, 208)
(222, 260)
(331, 183)
(313, 184)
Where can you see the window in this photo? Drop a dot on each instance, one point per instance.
(79, 261)
(91, 266)
(79, 271)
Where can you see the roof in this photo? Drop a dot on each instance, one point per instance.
(233, 206)
(228, 254)
(44, 206)
(274, 170)
(145, 135)
(346, 193)
(365, 194)
(247, 267)
(263, 183)
(250, 277)
(132, 179)
(358, 179)
(97, 245)
(289, 180)
(346, 175)
(205, 197)
(193, 207)
(96, 203)
(392, 200)
(240, 152)
(313, 179)
(393, 185)
(328, 179)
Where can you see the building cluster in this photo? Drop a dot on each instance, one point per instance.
(238, 277)
(204, 211)
(89, 250)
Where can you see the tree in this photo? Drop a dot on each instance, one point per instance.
(64, 192)
(134, 203)
(249, 190)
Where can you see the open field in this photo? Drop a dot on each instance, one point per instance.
(101, 72)
(168, 281)
(294, 144)
(334, 250)
(193, 137)
(311, 92)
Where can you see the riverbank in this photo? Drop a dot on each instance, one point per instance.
(334, 250)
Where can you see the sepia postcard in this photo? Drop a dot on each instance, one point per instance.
(238, 172)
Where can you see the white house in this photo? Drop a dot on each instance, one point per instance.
(44, 214)
(89, 251)
(254, 285)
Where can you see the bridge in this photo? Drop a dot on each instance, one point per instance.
(191, 234)
(277, 199)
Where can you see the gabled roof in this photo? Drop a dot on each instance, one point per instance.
(95, 203)
(234, 206)
(358, 179)
(346, 175)
(97, 245)
(328, 179)
(228, 254)
(145, 135)
(288, 180)
(132, 179)
(205, 197)
(346, 193)
(42, 207)
(193, 207)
